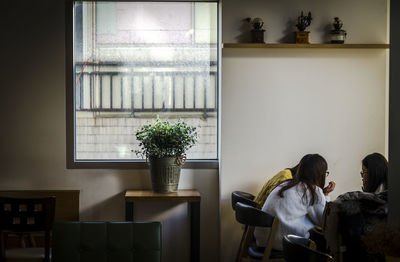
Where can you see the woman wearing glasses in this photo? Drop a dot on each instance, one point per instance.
(354, 214)
(298, 203)
(374, 173)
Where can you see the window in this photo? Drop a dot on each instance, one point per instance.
(132, 62)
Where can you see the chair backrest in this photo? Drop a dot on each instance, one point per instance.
(243, 197)
(297, 249)
(106, 241)
(318, 237)
(67, 204)
(252, 216)
(27, 215)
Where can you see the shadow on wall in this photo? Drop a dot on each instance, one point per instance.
(233, 231)
(244, 32)
(209, 216)
(110, 209)
(326, 29)
(289, 35)
(175, 227)
(103, 196)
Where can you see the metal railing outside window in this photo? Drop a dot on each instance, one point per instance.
(134, 83)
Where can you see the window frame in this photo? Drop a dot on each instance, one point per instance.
(71, 162)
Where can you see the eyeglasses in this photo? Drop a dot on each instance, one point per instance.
(327, 173)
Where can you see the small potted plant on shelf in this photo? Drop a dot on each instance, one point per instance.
(337, 34)
(302, 36)
(164, 145)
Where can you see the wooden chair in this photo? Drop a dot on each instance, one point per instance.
(254, 217)
(246, 198)
(22, 217)
(300, 249)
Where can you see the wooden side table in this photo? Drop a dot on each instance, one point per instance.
(192, 197)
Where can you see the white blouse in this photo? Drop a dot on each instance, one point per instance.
(295, 215)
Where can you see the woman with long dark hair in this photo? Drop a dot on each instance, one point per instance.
(374, 173)
(354, 214)
(298, 203)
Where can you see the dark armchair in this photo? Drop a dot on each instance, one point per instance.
(107, 241)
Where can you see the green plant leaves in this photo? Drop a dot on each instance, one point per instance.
(165, 139)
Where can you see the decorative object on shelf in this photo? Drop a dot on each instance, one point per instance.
(164, 144)
(302, 36)
(257, 34)
(337, 34)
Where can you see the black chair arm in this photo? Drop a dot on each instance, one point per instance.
(296, 248)
(243, 197)
(252, 216)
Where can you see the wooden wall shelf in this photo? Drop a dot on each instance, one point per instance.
(252, 45)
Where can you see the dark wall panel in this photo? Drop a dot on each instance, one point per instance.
(394, 113)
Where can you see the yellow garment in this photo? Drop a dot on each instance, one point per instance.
(270, 185)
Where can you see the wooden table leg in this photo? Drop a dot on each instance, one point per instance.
(129, 211)
(195, 231)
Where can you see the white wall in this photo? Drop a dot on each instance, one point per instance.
(33, 135)
(280, 104)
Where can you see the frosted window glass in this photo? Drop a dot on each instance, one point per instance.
(136, 60)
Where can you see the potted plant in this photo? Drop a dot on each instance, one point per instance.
(164, 145)
(302, 36)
